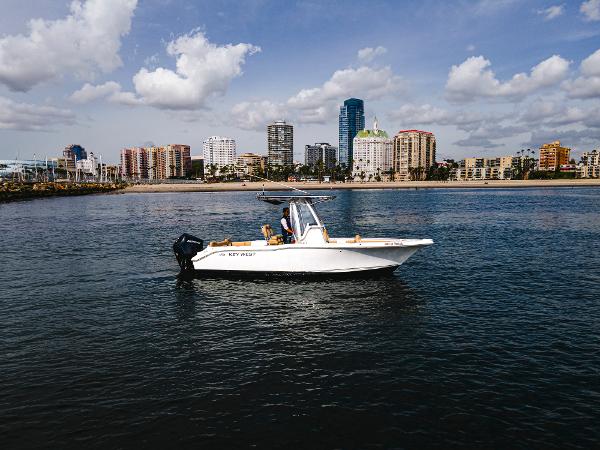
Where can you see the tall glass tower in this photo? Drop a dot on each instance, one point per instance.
(352, 120)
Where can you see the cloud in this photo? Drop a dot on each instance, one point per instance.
(256, 115)
(317, 104)
(110, 90)
(86, 41)
(473, 79)
(90, 92)
(479, 142)
(587, 85)
(28, 117)
(591, 10)
(552, 12)
(575, 139)
(203, 69)
(368, 54)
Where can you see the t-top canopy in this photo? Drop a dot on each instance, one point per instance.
(279, 199)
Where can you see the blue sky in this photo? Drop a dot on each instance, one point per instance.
(488, 77)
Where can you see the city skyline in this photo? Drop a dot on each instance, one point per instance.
(486, 77)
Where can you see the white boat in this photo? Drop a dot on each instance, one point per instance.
(312, 251)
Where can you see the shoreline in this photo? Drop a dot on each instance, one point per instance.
(258, 186)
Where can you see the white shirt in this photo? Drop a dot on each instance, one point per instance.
(284, 223)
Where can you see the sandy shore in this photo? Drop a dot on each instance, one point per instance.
(257, 186)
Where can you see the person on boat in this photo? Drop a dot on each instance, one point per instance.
(286, 226)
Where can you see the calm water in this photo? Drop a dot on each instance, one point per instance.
(489, 338)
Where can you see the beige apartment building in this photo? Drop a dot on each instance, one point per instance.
(414, 154)
(552, 156)
(250, 164)
(484, 169)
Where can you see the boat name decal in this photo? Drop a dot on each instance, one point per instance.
(237, 254)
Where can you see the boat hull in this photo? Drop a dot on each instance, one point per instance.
(301, 259)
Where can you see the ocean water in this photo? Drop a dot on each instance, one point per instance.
(488, 339)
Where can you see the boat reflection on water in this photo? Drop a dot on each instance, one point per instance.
(381, 294)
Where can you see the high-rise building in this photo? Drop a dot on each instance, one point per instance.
(320, 152)
(73, 153)
(373, 154)
(414, 154)
(218, 151)
(280, 144)
(134, 162)
(178, 162)
(552, 155)
(351, 121)
(156, 163)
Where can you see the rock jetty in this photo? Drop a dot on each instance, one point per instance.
(10, 191)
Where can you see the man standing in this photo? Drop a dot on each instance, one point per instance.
(286, 226)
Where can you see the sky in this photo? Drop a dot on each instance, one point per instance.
(488, 77)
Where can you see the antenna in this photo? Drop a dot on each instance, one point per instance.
(281, 184)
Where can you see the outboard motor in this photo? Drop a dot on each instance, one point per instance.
(185, 248)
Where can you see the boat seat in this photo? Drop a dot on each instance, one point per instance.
(241, 244)
(223, 243)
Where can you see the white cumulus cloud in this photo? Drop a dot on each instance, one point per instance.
(368, 54)
(474, 79)
(90, 92)
(365, 82)
(203, 69)
(28, 117)
(256, 115)
(86, 41)
(110, 90)
(591, 10)
(588, 84)
(552, 12)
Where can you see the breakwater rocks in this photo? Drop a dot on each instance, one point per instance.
(10, 191)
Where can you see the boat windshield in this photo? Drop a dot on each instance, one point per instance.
(305, 217)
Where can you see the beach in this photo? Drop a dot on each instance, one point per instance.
(271, 186)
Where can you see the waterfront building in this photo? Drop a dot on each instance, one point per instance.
(474, 169)
(373, 154)
(134, 163)
(88, 166)
(280, 144)
(323, 152)
(218, 151)
(552, 156)
(73, 153)
(589, 166)
(351, 121)
(156, 163)
(250, 164)
(414, 154)
(178, 163)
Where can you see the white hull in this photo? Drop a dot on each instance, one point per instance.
(338, 256)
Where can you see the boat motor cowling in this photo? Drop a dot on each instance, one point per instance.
(185, 248)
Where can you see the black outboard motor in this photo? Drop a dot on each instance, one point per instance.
(185, 248)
